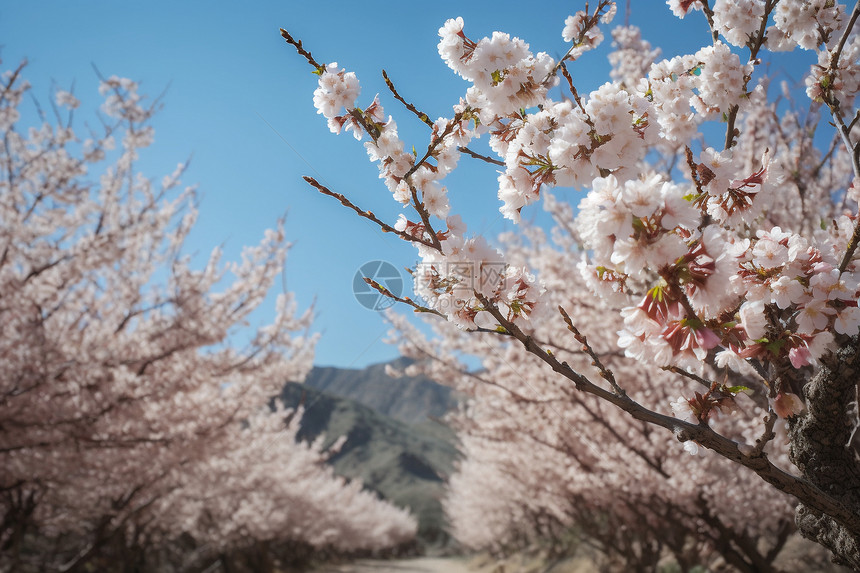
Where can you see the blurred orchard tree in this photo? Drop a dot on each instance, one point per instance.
(134, 433)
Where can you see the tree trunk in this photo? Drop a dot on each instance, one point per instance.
(820, 448)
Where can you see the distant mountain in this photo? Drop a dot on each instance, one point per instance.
(410, 399)
(407, 464)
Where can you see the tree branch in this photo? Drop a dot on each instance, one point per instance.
(366, 214)
(805, 491)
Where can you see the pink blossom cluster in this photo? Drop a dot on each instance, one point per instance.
(632, 57)
(805, 23)
(839, 86)
(721, 79)
(505, 75)
(569, 144)
(694, 279)
(738, 21)
(337, 91)
(681, 8)
(580, 29)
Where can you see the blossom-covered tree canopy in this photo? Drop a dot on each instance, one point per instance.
(706, 285)
(134, 432)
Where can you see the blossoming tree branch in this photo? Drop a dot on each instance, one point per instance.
(729, 267)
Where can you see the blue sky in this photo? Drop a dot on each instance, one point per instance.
(239, 103)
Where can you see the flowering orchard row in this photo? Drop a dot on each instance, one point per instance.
(133, 434)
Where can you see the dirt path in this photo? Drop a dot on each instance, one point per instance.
(421, 565)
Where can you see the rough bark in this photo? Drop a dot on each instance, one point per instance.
(820, 448)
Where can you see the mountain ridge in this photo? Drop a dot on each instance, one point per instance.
(409, 399)
(405, 463)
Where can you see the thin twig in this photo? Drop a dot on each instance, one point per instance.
(436, 141)
(852, 247)
(590, 23)
(694, 173)
(419, 204)
(302, 52)
(426, 119)
(754, 46)
(569, 79)
(366, 214)
(605, 373)
(854, 121)
(681, 372)
(421, 115)
(12, 78)
(731, 117)
(834, 59)
(709, 14)
(486, 158)
(425, 218)
(369, 126)
(405, 300)
(767, 435)
(480, 329)
(845, 133)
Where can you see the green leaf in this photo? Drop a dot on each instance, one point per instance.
(656, 293)
(736, 389)
(692, 322)
(775, 347)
